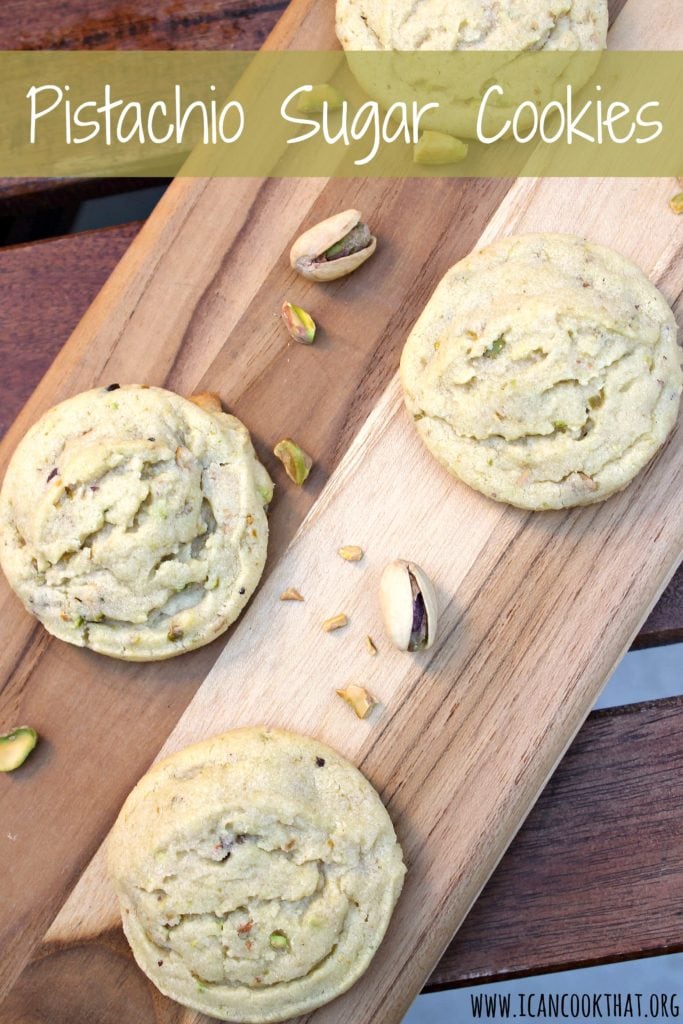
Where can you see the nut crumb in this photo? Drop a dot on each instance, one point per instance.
(371, 645)
(291, 595)
(336, 622)
(208, 401)
(351, 553)
(359, 699)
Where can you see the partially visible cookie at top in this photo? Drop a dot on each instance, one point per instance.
(509, 31)
(133, 522)
(471, 25)
(544, 371)
(257, 872)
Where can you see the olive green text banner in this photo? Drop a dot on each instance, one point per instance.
(336, 114)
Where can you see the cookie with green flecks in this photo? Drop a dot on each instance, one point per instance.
(257, 872)
(133, 522)
(544, 371)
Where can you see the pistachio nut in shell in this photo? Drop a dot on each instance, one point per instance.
(408, 604)
(334, 248)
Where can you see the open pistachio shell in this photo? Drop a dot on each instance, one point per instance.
(307, 255)
(16, 746)
(408, 604)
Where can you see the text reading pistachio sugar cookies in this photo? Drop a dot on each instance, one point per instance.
(257, 873)
(132, 522)
(544, 371)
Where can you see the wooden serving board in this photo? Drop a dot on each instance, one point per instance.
(537, 609)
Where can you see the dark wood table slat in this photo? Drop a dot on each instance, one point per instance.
(595, 874)
(144, 25)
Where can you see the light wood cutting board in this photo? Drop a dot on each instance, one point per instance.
(537, 609)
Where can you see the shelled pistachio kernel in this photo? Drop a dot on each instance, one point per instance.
(279, 941)
(358, 698)
(408, 604)
(676, 202)
(435, 148)
(296, 461)
(15, 746)
(335, 247)
(316, 96)
(350, 553)
(300, 325)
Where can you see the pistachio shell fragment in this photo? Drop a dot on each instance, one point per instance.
(314, 99)
(676, 202)
(208, 401)
(15, 747)
(435, 148)
(299, 323)
(335, 247)
(408, 604)
(296, 461)
(358, 698)
(350, 553)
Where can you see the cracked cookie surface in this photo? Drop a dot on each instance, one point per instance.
(257, 872)
(544, 371)
(132, 522)
(471, 24)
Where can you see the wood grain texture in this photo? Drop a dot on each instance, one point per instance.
(520, 594)
(42, 277)
(558, 898)
(143, 25)
(46, 289)
(204, 297)
(594, 873)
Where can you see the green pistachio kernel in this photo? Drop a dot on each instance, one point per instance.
(314, 99)
(435, 148)
(15, 747)
(495, 348)
(279, 941)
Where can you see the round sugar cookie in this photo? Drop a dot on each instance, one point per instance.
(133, 522)
(257, 872)
(544, 371)
(509, 31)
(471, 24)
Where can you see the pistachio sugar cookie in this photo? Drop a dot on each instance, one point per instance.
(257, 872)
(509, 31)
(544, 371)
(471, 24)
(132, 522)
